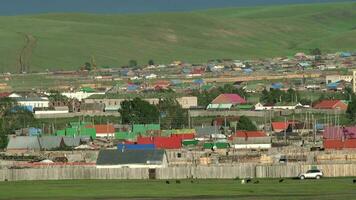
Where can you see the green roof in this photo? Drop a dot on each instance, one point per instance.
(87, 132)
(87, 89)
(143, 128)
(60, 132)
(219, 106)
(125, 136)
(218, 145)
(245, 106)
(71, 131)
(190, 142)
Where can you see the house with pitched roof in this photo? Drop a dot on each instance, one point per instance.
(226, 101)
(331, 104)
(103, 130)
(148, 158)
(339, 138)
(251, 140)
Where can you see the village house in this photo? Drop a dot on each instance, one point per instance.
(103, 130)
(251, 140)
(339, 138)
(148, 158)
(278, 106)
(331, 105)
(114, 103)
(226, 101)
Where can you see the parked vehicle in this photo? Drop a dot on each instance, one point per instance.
(313, 173)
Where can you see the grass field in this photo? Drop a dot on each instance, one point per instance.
(340, 188)
(66, 41)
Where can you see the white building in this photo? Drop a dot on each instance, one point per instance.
(336, 78)
(80, 95)
(292, 106)
(33, 102)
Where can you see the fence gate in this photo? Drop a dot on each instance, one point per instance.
(152, 173)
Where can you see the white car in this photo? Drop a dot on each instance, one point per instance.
(313, 173)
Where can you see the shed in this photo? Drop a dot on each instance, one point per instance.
(132, 159)
(21, 144)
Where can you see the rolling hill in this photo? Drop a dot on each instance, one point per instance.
(66, 41)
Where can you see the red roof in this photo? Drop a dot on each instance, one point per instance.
(280, 125)
(339, 144)
(245, 134)
(4, 94)
(330, 104)
(229, 99)
(102, 128)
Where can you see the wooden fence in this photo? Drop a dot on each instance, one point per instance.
(199, 172)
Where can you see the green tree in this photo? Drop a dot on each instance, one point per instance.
(87, 66)
(172, 115)
(57, 96)
(245, 123)
(133, 63)
(315, 52)
(13, 118)
(151, 62)
(351, 108)
(137, 111)
(6, 104)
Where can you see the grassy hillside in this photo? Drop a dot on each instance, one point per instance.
(66, 41)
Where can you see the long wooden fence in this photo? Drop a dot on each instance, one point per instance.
(198, 172)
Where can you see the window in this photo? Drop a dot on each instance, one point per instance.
(179, 155)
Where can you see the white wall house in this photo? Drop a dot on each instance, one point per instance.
(260, 106)
(34, 102)
(80, 95)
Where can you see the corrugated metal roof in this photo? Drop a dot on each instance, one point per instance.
(206, 131)
(23, 142)
(229, 99)
(116, 157)
(50, 142)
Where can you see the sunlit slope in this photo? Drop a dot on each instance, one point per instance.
(66, 41)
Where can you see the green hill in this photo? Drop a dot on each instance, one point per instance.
(66, 41)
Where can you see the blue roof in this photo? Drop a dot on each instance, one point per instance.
(276, 85)
(332, 85)
(345, 54)
(132, 87)
(176, 82)
(199, 81)
(248, 70)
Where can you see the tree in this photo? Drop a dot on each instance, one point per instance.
(351, 108)
(315, 52)
(6, 104)
(57, 96)
(245, 123)
(172, 115)
(151, 62)
(87, 66)
(13, 118)
(138, 111)
(132, 63)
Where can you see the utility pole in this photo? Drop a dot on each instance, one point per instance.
(189, 122)
(285, 130)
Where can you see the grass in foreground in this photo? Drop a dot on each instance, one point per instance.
(339, 188)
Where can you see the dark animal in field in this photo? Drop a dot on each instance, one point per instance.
(281, 180)
(191, 181)
(248, 180)
(167, 182)
(256, 182)
(354, 181)
(178, 181)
